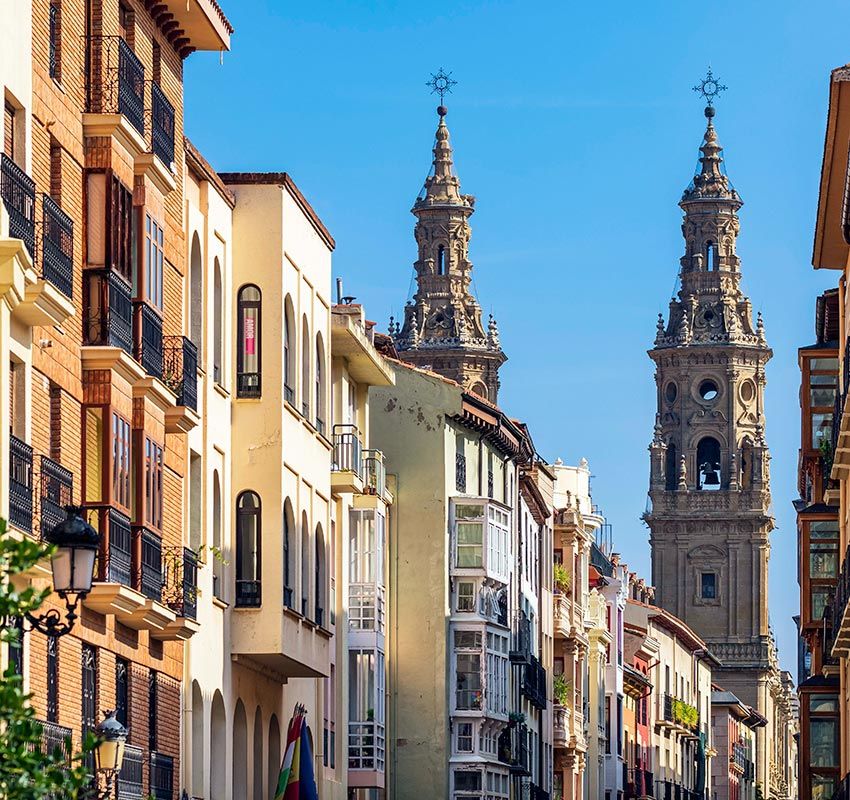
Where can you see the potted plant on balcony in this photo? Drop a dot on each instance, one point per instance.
(561, 689)
(562, 579)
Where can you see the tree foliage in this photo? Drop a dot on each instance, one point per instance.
(27, 772)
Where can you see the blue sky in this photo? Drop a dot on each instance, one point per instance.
(575, 127)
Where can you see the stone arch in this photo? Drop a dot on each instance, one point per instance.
(198, 740)
(671, 466)
(709, 472)
(273, 765)
(218, 748)
(258, 754)
(240, 753)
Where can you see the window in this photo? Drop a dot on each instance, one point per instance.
(823, 381)
(55, 45)
(710, 256)
(320, 385)
(708, 586)
(196, 297)
(120, 461)
(218, 329)
(248, 555)
(708, 464)
(469, 536)
(498, 670)
(466, 596)
(218, 557)
(288, 531)
(671, 468)
(122, 691)
(464, 737)
(468, 684)
(305, 564)
(248, 381)
(153, 484)
(9, 130)
(823, 737)
(154, 259)
(89, 697)
(467, 781)
(288, 352)
(305, 368)
(708, 390)
(153, 711)
(320, 577)
(820, 597)
(441, 260)
(52, 679)
(671, 392)
(120, 233)
(823, 560)
(460, 464)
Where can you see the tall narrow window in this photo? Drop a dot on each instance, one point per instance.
(288, 352)
(89, 696)
(120, 461)
(122, 691)
(319, 567)
(305, 368)
(305, 564)
(153, 711)
(217, 554)
(153, 484)
(671, 468)
(248, 307)
(196, 297)
(441, 260)
(288, 533)
(320, 385)
(708, 464)
(710, 264)
(56, 170)
(154, 259)
(52, 679)
(248, 542)
(218, 313)
(9, 130)
(55, 47)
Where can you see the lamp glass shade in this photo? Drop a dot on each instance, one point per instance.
(62, 566)
(83, 569)
(109, 754)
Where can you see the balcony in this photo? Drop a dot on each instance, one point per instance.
(679, 715)
(840, 629)
(149, 339)
(533, 684)
(637, 782)
(56, 492)
(162, 777)
(148, 549)
(374, 473)
(57, 247)
(520, 652)
(560, 726)
(180, 592)
(249, 594)
(162, 126)
(20, 484)
(108, 310)
(55, 738)
(117, 80)
(347, 467)
(513, 749)
(130, 778)
(17, 190)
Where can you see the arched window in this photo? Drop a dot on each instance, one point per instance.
(249, 332)
(240, 753)
(305, 368)
(288, 351)
(218, 332)
(288, 551)
(480, 389)
(747, 464)
(710, 257)
(671, 467)
(320, 384)
(259, 792)
(305, 564)
(441, 260)
(708, 464)
(320, 576)
(217, 554)
(196, 297)
(248, 542)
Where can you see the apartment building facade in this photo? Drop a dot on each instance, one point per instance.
(97, 373)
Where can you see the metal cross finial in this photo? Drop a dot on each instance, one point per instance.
(441, 83)
(709, 87)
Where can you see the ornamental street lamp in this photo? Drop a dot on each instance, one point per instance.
(109, 752)
(72, 564)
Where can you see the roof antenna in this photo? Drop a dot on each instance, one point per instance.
(343, 299)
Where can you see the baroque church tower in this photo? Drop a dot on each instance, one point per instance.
(443, 329)
(709, 473)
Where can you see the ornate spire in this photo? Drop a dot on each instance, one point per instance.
(710, 181)
(442, 186)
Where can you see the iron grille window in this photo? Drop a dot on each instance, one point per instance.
(180, 369)
(20, 484)
(152, 710)
(148, 338)
(119, 566)
(150, 573)
(57, 489)
(55, 28)
(162, 125)
(248, 550)
(17, 190)
(460, 472)
(89, 693)
(131, 86)
(57, 246)
(122, 690)
(52, 679)
(16, 647)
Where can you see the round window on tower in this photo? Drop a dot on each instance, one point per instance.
(671, 392)
(747, 391)
(708, 390)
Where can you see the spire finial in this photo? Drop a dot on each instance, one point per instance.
(441, 83)
(709, 87)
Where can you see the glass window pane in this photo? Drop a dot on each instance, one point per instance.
(824, 365)
(824, 742)
(469, 511)
(823, 560)
(823, 703)
(824, 529)
(819, 600)
(821, 429)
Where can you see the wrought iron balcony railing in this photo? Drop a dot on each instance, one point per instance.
(839, 634)
(57, 246)
(162, 776)
(55, 739)
(17, 190)
(108, 310)
(374, 473)
(180, 369)
(162, 125)
(56, 492)
(115, 559)
(20, 484)
(180, 584)
(249, 594)
(116, 80)
(131, 776)
(513, 748)
(520, 652)
(534, 682)
(148, 567)
(149, 339)
(347, 449)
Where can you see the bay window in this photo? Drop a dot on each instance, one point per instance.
(482, 538)
(152, 484)
(120, 461)
(366, 569)
(468, 679)
(497, 673)
(366, 745)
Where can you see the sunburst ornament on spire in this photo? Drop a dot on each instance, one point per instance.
(709, 87)
(441, 83)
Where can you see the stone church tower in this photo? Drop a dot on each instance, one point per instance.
(443, 330)
(709, 476)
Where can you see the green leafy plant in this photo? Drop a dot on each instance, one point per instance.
(516, 716)
(562, 579)
(826, 455)
(685, 714)
(561, 689)
(27, 771)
